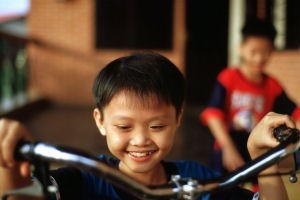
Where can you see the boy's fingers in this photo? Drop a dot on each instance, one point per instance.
(8, 146)
(290, 122)
(13, 134)
(1, 160)
(25, 169)
(272, 142)
(275, 120)
(3, 131)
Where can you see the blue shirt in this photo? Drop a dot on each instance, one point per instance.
(79, 184)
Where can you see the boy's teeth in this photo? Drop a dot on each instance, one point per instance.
(140, 154)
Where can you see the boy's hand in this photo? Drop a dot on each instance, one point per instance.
(261, 138)
(11, 132)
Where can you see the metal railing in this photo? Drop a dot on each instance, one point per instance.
(13, 67)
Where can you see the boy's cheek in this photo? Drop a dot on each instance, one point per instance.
(115, 139)
(166, 142)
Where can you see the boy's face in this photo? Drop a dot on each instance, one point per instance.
(255, 52)
(139, 131)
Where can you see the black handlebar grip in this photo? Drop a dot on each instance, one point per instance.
(282, 132)
(23, 150)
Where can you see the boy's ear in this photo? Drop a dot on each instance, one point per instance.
(99, 121)
(179, 117)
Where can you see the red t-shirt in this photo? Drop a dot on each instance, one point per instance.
(242, 103)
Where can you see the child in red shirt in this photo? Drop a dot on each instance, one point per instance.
(242, 96)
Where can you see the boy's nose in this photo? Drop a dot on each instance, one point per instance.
(140, 138)
(260, 58)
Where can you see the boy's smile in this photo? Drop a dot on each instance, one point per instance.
(139, 156)
(140, 132)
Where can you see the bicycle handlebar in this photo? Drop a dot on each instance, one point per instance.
(74, 157)
(178, 188)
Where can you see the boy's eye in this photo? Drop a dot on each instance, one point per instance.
(121, 127)
(158, 127)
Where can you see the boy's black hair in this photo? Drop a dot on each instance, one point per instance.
(144, 74)
(260, 28)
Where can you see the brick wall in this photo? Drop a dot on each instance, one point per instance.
(64, 31)
(68, 24)
(285, 67)
(63, 59)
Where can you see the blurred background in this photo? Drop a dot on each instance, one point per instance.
(51, 50)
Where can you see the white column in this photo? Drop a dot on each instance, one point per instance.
(279, 21)
(236, 21)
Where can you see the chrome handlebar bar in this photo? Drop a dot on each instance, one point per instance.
(41, 154)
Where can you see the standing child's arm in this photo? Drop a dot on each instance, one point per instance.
(231, 158)
(261, 140)
(215, 115)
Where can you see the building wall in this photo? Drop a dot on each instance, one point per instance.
(64, 62)
(64, 34)
(63, 58)
(284, 66)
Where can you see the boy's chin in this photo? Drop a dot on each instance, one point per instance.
(258, 68)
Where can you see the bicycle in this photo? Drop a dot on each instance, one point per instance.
(41, 155)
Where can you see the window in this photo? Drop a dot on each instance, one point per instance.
(134, 24)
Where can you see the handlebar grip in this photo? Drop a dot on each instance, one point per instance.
(282, 132)
(23, 150)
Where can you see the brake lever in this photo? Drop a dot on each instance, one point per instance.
(41, 173)
(41, 186)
